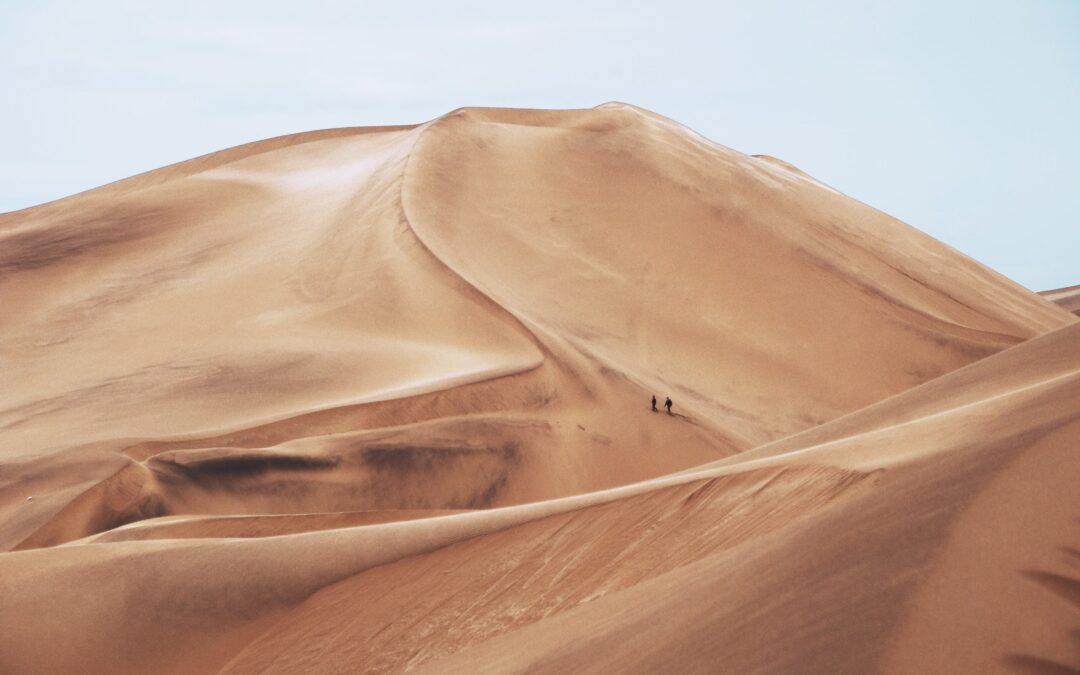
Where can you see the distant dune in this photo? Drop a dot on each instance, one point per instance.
(378, 399)
(1068, 298)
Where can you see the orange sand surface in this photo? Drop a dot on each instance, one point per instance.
(377, 400)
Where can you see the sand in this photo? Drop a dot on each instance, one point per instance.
(1068, 298)
(377, 400)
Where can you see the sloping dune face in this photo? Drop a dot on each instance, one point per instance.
(758, 297)
(372, 400)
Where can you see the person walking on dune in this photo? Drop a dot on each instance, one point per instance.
(654, 404)
(667, 404)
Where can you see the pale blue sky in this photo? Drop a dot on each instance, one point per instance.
(957, 116)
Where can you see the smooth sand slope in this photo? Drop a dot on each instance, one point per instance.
(368, 400)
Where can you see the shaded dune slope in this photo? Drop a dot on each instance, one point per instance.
(376, 399)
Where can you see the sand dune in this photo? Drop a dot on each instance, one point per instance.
(373, 400)
(1068, 298)
(960, 560)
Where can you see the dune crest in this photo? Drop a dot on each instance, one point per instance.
(377, 399)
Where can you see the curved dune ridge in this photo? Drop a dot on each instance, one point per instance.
(377, 400)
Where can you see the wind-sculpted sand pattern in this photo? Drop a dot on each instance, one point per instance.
(377, 400)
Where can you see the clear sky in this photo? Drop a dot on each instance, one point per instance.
(960, 117)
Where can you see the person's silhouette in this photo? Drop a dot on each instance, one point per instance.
(654, 404)
(667, 404)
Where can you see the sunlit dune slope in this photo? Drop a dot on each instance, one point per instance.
(761, 299)
(962, 559)
(552, 269)
(373, 399)
(959, 558)
(853, 552)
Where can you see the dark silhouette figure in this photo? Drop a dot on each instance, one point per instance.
(654, 404)
(667, 404)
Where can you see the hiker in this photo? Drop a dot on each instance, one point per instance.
(654, 404)
(667, 404)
